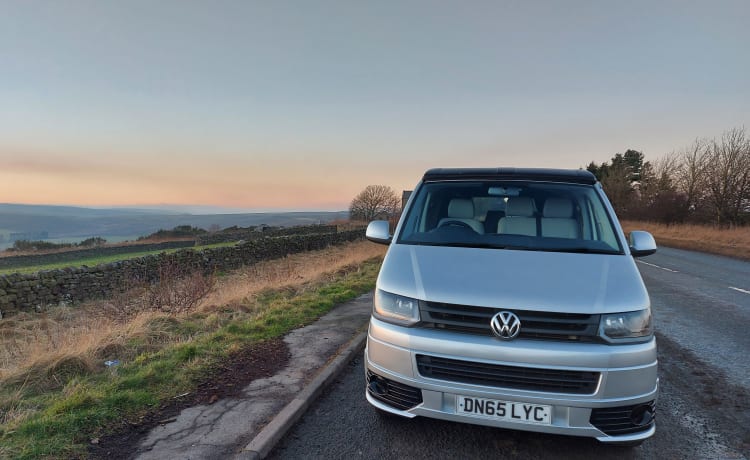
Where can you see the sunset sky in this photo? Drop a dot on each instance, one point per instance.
(298, 105)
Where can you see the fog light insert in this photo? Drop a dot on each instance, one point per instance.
(376, 387)
(616, 421)
(392, 393)
(642, 415)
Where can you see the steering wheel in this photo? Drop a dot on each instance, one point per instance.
(456, 223)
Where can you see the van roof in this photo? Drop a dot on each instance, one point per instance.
(578, 176)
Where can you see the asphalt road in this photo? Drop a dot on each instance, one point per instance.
(702, 309)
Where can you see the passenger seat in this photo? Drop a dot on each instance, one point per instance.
(519, 217)
(557, 219)
(462, 210)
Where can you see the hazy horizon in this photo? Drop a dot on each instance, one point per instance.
(75, 224)
(180, 208)
(299, 106)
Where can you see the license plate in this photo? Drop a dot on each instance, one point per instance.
(504, 410)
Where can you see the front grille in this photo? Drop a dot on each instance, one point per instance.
(519, 378)
(616, 421)
(394, 394)
(570, 327)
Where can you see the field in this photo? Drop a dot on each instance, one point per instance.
(732, 242)
(56, 393)
(93, 261)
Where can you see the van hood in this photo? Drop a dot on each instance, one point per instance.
(513, 279)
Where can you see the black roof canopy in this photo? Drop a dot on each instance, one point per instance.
(578, 176)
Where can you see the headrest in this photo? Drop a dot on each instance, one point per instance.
(461, 208)
(558, 207)
(519, 206)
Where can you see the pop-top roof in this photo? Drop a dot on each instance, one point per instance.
(578, 176)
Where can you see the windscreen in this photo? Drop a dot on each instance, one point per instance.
(510, 215)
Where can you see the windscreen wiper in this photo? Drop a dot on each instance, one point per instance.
(581, 250)
(474, 245)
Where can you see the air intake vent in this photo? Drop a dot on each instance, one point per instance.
(520, 378)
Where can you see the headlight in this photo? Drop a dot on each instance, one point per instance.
(629, 327)
(395, 309)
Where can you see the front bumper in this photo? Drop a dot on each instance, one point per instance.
(627, 379)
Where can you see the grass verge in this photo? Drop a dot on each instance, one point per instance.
(732, 242)
(53, 412)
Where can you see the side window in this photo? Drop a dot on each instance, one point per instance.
(602, 224)
(415, 216)
(431, 211)
(590, 230)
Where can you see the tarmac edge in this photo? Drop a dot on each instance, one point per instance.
(264, 442)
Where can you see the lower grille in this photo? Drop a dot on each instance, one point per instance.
(519, 378)
(394, 394)
(616, 421)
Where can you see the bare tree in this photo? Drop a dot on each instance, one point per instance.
(659, 199)
(690, 175)
(707, 180)
(728, 175)
(657, 178)
(375, 201)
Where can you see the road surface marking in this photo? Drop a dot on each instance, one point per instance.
(656, 266)
(738, 289)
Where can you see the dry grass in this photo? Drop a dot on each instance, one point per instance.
(41, 348)
(732, 242)
(37, 348)
(294, 270)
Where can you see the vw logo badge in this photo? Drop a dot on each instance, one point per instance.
(506, 325)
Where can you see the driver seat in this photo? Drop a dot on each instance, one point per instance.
(462, 210)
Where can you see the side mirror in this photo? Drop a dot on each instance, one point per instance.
(378, 232)
(641, 244)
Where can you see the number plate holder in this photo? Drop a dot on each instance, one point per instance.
(509, 411)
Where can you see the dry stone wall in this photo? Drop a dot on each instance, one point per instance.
(20, 292)
(253, 233)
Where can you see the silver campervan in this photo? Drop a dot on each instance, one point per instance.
(511, 298)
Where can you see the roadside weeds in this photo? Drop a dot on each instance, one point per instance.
(730, 242)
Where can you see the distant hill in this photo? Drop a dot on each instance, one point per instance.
(61, 222)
